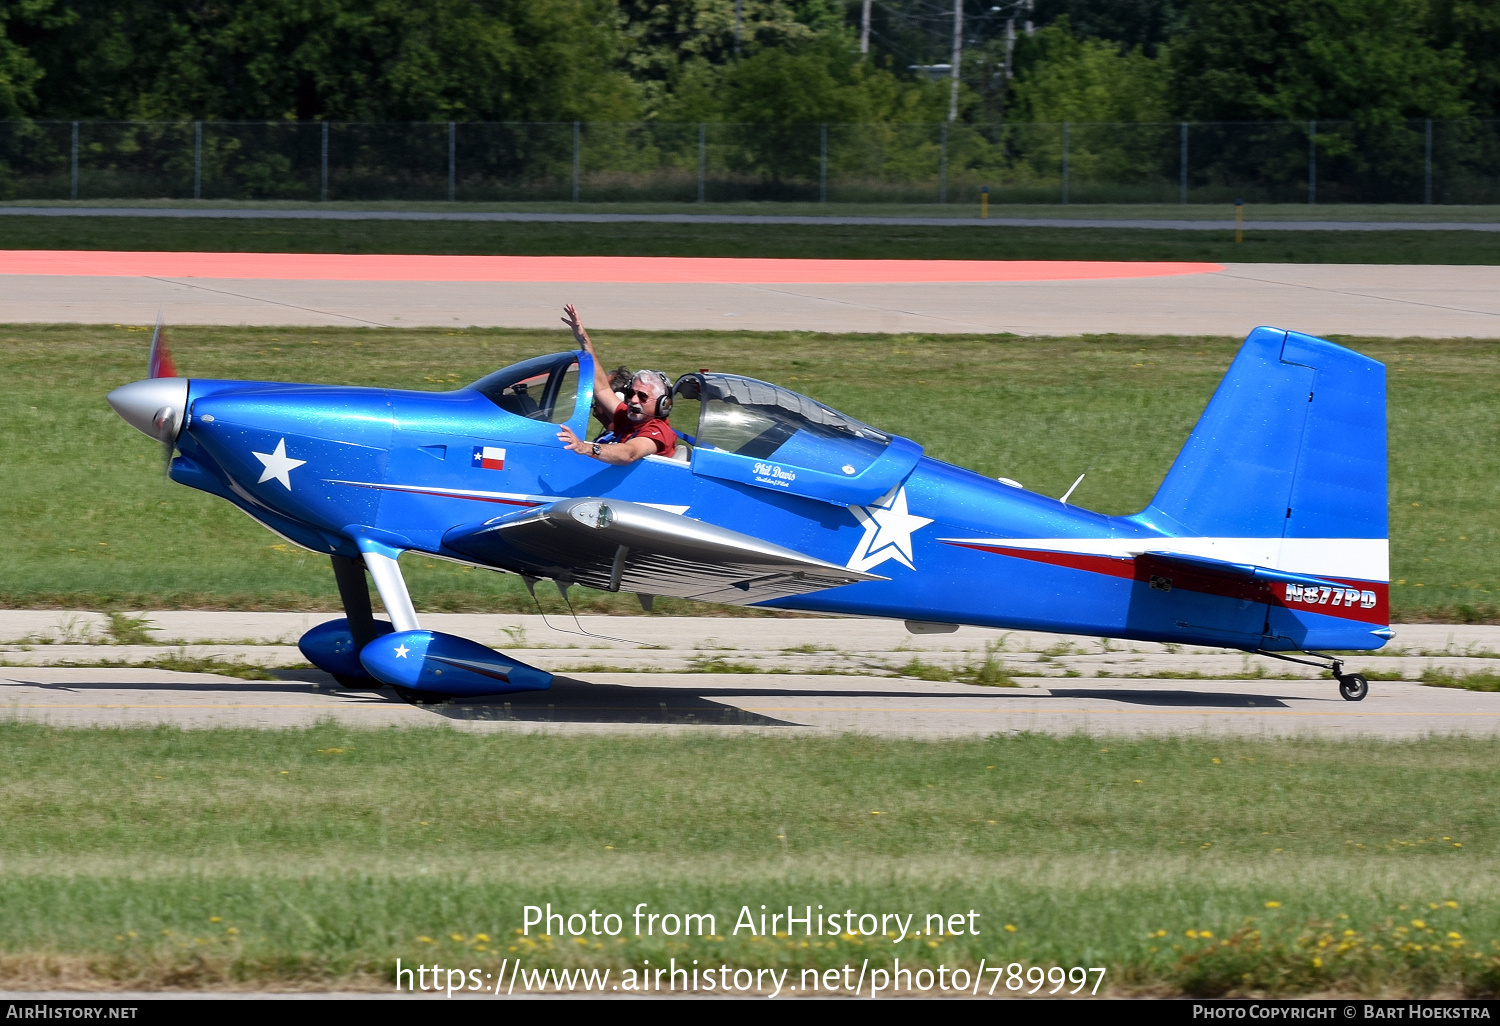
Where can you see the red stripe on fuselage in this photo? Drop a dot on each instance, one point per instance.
(1114, 566)
(1226, 585)
(471, 498)
(406, 490)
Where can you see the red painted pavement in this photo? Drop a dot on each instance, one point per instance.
(588, 269)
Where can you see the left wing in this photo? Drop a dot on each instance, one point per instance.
(616, 545)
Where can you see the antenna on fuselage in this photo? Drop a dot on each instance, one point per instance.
(1067, 494)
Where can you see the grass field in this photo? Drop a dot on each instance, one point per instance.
(93, 524)
(967, 207)
(211, 858)
(830, 241)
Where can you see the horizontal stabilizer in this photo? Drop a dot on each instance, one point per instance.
(1260, 573)
(616, 545)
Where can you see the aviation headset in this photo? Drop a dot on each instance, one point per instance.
(663, 401)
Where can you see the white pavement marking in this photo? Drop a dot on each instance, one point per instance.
(828, 675)
(1431, 301)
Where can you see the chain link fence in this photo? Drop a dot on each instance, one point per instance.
(1170, 162)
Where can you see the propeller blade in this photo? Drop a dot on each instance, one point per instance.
(160, 363)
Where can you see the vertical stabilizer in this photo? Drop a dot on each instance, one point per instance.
(1290, 457)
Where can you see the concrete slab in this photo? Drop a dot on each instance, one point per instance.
(46, 626)
(768, 635)
(76, 697)
(1322, 299)
(1024, 667)
(783, 674)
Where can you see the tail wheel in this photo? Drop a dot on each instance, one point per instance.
(1353, 687)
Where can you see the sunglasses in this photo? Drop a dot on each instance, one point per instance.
(637, 393)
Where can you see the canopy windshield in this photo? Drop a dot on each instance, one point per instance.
(764, 421)
(542, 388)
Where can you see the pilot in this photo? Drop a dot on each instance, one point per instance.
(619, 381)
(639, 421)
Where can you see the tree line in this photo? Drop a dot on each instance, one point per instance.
(778, 61)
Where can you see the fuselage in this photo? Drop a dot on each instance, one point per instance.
(316, 464)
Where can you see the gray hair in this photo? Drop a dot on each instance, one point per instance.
(657, 376)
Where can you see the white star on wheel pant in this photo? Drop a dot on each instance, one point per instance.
(888, 530)
(278, 465)
(401, 651)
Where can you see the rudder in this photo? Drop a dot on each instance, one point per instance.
(1289, 458)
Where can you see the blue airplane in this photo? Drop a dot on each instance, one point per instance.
(1268, 534)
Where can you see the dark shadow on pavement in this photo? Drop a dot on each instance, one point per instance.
(315, 682)
(574, 701)
(1180, 699)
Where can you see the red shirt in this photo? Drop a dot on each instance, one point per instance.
(659, 431)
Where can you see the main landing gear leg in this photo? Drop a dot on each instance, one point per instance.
(1352, 686)
(380, 560)
(354, 593)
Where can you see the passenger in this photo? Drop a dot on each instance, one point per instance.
(639, 421)
(619, 381)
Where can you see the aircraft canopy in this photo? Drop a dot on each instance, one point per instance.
(542, 388)
(764, 421)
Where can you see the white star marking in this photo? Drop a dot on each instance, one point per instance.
(888, 530)
(401, 651)
(278, 465)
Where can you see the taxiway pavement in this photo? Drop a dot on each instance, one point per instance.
(778, 675)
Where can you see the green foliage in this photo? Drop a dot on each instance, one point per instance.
(334, 59)
(819, 79)
(664, 40)
(992, 671)
(1377, 61)
(1130, 23)
(1474, 26)
(777, 93)
(129, 630)
(1061, 77)
(1372, 61)
(18, 70)
(1479, 681)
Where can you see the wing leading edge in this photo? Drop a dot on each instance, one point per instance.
(616, 545)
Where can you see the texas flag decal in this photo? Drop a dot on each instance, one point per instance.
(488, 457)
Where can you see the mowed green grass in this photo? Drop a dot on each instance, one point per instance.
(153, 857)
(754, 240)
(966, 205)
(93, 524)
